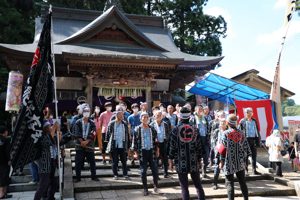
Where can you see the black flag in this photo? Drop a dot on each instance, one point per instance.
(39, 90)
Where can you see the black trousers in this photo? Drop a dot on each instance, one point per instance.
(148, 158)
(253, 149)
(115, 160)
(229, 182)
(163, 153)
(278, 168)
(104, 144)
(48, 184)
(79, 160)
(184, 183)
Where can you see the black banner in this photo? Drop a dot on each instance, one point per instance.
(39, 90)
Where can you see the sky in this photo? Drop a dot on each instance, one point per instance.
(254, 32)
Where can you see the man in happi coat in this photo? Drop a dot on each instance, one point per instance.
(250, 127)
(233, 150)
(144, 143)
(84, 135)
(117, 136)
(163, 134)
(186, 150)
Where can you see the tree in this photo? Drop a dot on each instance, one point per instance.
(289, 108)
(193, 31)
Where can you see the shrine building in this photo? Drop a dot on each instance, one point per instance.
(110, 56)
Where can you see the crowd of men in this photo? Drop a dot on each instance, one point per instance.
(189, 140)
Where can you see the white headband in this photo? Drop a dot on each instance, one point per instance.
(142, 114)
(223, 119)
(247, 109)
(157, 111)
(86, 108)
(119, 109)
(231, 121)
(143, 103)
(184, 115)
(221, 113)
(46, 124)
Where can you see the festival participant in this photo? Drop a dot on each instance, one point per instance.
(144, 144)
(177, 113)
(297, 145)
(4, 162)
(154, 109)
(50, 119)
(64, 123)
(126, 113)
(163, 134)
(186, 149)
(233, 150)
(274, 151)
(96, 117)
(103, 123)
(171, 116)
(202, 126)
(133, 121)
(46, 163)
(125, 118)
(84, 134)
(206, 114)
(117, 136)
(216, 137)
(144, 108)
(212, 126)
(250, 127)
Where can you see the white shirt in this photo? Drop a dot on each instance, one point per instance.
(274, 142)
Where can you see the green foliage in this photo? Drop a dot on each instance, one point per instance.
(289, 108)
(193, 31)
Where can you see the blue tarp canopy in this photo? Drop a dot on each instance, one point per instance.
(226, 90)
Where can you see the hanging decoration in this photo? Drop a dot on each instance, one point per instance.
(14, 91)
(119, 91)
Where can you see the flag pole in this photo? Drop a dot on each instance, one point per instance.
(56, 109)
(275, 95)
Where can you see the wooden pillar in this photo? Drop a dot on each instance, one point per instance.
(148, 94)
(90, 91)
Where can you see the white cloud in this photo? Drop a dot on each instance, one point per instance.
(216, 11)
(279, 4)
(276, 36)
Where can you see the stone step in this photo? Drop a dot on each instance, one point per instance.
(134, 172)
(27, 195)
(256, 188)
(21, 179)
(107, 183)
(22, 187)
(26, 171)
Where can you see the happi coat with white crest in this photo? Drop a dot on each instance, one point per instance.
(165, 128)
(237, 150)
(138, 141)
(111, 135)
(84, 134)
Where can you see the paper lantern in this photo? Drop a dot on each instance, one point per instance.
(14, 91)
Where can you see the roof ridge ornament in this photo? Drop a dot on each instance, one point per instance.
(110, 3)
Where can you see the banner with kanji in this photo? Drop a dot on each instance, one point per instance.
(39, 90)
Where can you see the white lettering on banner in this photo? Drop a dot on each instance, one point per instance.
(36, 136)
(261, 113)
(26, 95)
(34, 121)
